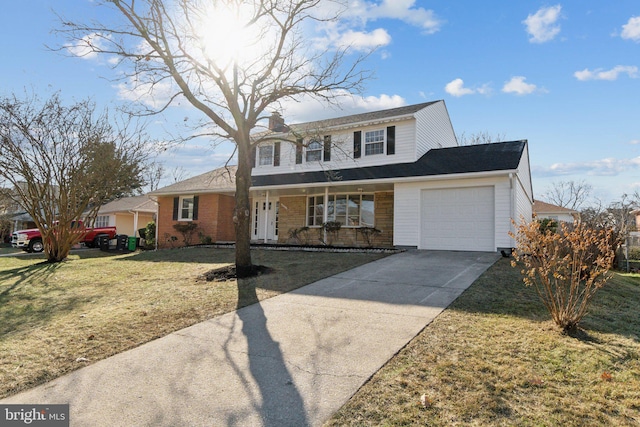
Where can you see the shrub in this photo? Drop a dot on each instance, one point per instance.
(332, 228)
(150, 234)
(369, 234)
(566, 267)
(187, 229)
(204, 239)
(299, 235)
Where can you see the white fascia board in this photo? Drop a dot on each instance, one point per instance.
(447, 177)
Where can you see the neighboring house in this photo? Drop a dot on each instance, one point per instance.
(547, 210)
(128, 214)
(399, 170)
(207, 199)
(636, 214)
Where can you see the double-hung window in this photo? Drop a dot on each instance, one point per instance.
(314, 151)
(374, 142)
(185, 213)
(265, 155)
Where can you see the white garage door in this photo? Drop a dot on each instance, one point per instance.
(458, 219)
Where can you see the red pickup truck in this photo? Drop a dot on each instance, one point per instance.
(31, 240)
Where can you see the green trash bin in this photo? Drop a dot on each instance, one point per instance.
(133, 240)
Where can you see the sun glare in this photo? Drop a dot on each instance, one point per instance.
(227, 35)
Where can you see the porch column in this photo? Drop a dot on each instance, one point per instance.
(266, 216)
(325, 214)
(135, 222)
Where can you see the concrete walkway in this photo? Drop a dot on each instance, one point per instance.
(292, 360)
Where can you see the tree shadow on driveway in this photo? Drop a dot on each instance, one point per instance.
(280, 402)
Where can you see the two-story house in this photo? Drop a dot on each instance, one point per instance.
(399, 171)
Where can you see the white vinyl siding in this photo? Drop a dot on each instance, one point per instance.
(407, 207)
(342, 151)
(433, 129)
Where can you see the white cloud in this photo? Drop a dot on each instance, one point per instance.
(456, 88)
(542, 25)
(631, 30)
(86, 47)
(634, 142)
(604, 167)
(518, 86)
(308, 110)
(152, 95)
(612, 74)
(363, 41)
(403, 10)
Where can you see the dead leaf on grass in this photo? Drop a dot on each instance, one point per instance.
(606, 376)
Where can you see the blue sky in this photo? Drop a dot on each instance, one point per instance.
(563, 75)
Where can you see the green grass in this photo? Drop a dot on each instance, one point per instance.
(494, 358)
(96, 304)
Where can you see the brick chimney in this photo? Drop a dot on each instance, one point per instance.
(276, 123)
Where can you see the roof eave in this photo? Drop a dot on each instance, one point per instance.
(396, 180)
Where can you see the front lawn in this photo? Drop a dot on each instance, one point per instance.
(494, 358)
(55, 318)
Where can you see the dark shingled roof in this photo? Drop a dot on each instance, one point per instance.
(365, 117)
(441, 161)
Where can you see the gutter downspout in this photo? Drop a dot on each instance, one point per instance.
(512, 209)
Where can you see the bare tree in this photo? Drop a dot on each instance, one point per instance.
(234, 60)
(178, 174)
(569, 194)
(479, 138)
(617, 217)
(64, 162)
(154, 172)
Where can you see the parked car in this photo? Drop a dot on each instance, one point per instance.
(31, 240)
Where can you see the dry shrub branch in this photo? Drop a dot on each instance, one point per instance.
(566, 266)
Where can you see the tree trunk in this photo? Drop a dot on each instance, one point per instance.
(242, 213)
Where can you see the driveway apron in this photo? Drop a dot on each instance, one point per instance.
(292, 360)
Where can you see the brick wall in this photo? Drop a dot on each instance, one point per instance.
(292, 215)
(295, 216)
(215, 219)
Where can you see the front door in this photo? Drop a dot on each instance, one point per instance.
(265, 220)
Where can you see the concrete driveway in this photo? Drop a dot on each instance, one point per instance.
(292, 360)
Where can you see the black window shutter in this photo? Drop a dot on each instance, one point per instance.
(391, 140)
(195, 207)
(357, 143)
(327, 148)
(299, 151)
(176, 202)
(253, 156)
(276, 153)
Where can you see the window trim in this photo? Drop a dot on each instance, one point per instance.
(317, 151)
(382, 142)
(181, 200)
(100, 221)
(332, 217)
(259, 155)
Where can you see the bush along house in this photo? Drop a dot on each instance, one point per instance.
(391, 178)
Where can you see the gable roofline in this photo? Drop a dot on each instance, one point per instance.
(220, 180)
(543, 207)
(353, 120)
(129, 204)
